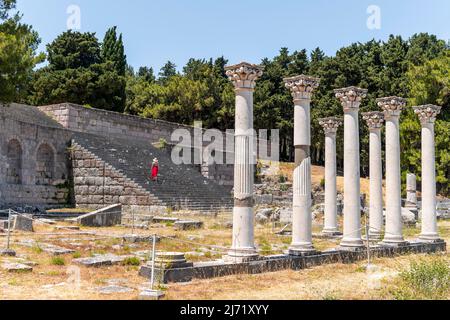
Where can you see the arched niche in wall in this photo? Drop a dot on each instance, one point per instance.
(45, 165)
(14, 162)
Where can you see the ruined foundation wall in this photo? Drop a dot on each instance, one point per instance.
(34, 169)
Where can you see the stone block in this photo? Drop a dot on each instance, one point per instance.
(111, 289)
(16, 267)
(106, 217)
(188, 225)
(149, 295)
(23, 223)
(101, 260)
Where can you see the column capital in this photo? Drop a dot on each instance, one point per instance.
(427, 113)
(391, 106)
(302, 86)
(374, 119)
(350, 97)
(330, 125)
(244, 75)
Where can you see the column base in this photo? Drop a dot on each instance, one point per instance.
(302, 249)
(241, 255)
(396, 244)
(302, 252)
(351, 244)
(430, 238)
(331, 232)
(375, 236)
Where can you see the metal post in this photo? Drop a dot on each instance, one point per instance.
(132, 220)
(152, 281)
(8, 239)
(368, 243)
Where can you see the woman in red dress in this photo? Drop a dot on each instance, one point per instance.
(155, 170)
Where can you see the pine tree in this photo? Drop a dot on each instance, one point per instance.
(113, 51)
(167, 71)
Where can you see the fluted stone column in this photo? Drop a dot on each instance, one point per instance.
(375, 122)
(411, 193)
(392, 108)
(301, 88)
(427, 115)
(351, 100)
(243, 76)
(330, 127)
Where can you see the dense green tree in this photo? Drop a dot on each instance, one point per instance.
(429, 84)
(5, 7)
(18, 54)
(77, 73)
(146, 74)
(167, 71)
(73, 50)
(112, 50)
(201, 93)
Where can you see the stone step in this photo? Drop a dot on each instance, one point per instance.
(182, 186)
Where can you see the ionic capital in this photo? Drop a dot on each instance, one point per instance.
(330, 125)
(374, 120)
(427, 113)
(244, 75)
(350, 97)
(302, 86)
(391, 106)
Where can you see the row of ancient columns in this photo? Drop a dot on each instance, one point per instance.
(244, 76)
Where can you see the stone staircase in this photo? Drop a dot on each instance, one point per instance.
(181, 187)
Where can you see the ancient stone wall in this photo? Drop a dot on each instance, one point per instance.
(33, 156)
(97, 184)
(112, 124)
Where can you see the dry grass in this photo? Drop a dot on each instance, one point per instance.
(50, 281)
(318, 173)
(328, 282)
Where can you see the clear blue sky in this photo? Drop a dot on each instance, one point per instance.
(159, 30)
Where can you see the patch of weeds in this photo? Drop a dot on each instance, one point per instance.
(131, 261)
(53, 273)
(98, 252)
(58, 261)
(330, 296)
(282, 178)
(361, 269)
(126, 249)
(37, 249)
(265, 247)
(423, 280)
(100, 282)
(161, 287)
(208, 254)
(169, 224)
(14, 283)
(76, 255)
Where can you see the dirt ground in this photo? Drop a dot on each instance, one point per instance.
(61, 279)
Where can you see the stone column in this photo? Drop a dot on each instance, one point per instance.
(375, 121)
(301, 88)
(351, 100)
(427, 115)
(411, 193)
(392, 108)
(243, 76)
(330, 127)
